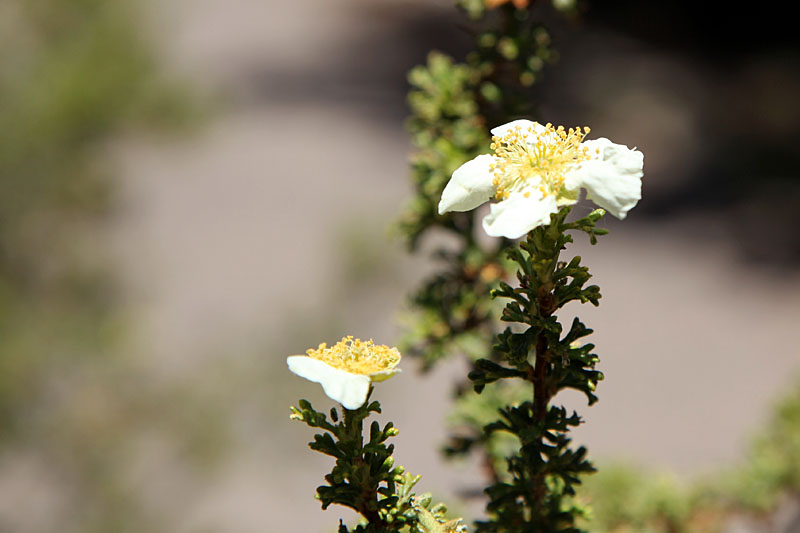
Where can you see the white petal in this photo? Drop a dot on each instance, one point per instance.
(469, 187)
(516, 215)
(612, 178)
(522, 124)
(348, 389)
(383, 375)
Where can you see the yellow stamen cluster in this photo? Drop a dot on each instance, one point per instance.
(530, 157)
(357, 356)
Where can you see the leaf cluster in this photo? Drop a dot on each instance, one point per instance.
(546, 284)
(446, 129)
(535, 492)
(453, 106)
(513, 49)
(451, 310)
(365, 478)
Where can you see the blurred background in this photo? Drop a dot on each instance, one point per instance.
(191, 190)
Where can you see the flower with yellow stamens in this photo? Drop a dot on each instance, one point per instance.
(536, 169)
(346, 369)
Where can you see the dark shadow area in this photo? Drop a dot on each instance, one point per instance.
(709, 95)
(738, 80)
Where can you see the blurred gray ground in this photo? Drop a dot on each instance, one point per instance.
(269, 228)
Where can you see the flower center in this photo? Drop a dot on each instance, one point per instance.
(536, 157)
(357, 356)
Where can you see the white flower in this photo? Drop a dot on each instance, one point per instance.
(537, 169)
(346, 369)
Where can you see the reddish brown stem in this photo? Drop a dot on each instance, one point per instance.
(540, 394)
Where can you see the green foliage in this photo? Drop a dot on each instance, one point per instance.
(447, 130)
(454, 105)
(473, 411)
(772, 466)
(535, 493)
(626, 499)
(364, 477)
(474, 8)
(452, 308)
(527, 450)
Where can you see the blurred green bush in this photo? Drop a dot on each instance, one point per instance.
(73, 73)
(625, 498)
